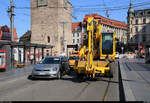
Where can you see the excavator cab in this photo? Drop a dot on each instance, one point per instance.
(107, 46)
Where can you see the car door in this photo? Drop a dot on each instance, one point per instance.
(65, 63)
(62, 64)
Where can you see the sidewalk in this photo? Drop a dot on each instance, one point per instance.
(15, 72)
(136, 79)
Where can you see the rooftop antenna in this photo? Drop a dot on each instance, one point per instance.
(107, 14)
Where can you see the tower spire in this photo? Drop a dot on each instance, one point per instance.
(130, 10)
(130, 3)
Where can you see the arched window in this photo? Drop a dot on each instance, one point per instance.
(73, 35)
(47, 52)
(144, 20)
(136, 29)
(48, 39)
(77, 34)
(148, 12)
(136, 21)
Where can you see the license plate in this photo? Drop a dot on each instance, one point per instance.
(42, 73)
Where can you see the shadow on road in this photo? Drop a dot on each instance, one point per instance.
(73, 77)
(2, 70)
(40, 79)
(110, 81)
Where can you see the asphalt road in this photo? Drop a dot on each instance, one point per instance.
(15, 73)
(69, 88)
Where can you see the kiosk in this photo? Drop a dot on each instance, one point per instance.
(2, 60)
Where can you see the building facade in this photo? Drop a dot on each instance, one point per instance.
(109, 25)
(51, 22)
(5, 33)
(76, 33)
(138, 25)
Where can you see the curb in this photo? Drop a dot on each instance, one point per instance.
(127, 90)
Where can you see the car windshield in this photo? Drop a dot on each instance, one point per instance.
(50, 61)
(73, 58)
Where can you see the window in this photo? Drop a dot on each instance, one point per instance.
(136, 29)
(77, 34)
(148, 12)
(144, 20)
(73, 41)
(131, 30)
(77, 40)
(144, 29)
(141, 13)
(73, 35)
(48, 39)
(47, 52)
(131, 22)
(41, 3)
(136, 22)
(144, 39)
(65, 4)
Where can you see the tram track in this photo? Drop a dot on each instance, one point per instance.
(89, 83)
(106, 91)
(110, 81)
(83, 90)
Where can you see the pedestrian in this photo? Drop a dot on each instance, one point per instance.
(31, 59)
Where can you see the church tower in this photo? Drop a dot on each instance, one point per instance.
(130, 15)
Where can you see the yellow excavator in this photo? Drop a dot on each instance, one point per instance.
(97, 52)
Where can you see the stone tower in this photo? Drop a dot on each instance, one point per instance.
(51, 24)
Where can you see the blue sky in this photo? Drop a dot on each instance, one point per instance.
(80, 8)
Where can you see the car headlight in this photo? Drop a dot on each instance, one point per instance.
(54, 69)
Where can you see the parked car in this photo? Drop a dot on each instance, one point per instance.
(50, 67)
